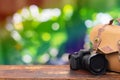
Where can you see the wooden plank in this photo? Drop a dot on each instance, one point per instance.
(52, 72)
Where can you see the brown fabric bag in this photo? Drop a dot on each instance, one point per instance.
(109, 43)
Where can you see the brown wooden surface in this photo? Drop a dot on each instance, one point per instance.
(52, 72)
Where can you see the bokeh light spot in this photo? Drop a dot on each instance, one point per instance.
(17, 18)
(29, 33)
(55, 26)
(16, 36)
(89, 23)
(18, 26)
(34, 10)
(53, 52)
(25, 13)
(83, 12)
(58, 39)
(68, 11)
(44, 58)
(27, 58)
(46, 36)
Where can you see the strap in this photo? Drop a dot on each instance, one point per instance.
(118, 44)
(111, 22)
(96, 44)
(98, 39)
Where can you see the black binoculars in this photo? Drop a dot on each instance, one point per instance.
(95, 63)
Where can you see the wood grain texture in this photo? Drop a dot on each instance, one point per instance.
(50, 72)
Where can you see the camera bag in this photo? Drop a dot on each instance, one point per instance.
(106, 38)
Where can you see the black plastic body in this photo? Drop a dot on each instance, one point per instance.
(95, 63)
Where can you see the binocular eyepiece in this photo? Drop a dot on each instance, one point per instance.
(95, 63)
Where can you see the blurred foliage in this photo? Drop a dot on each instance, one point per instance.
(43, 36)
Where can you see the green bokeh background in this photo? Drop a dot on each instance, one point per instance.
(33, 41)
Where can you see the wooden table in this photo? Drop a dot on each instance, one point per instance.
(52, 72)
